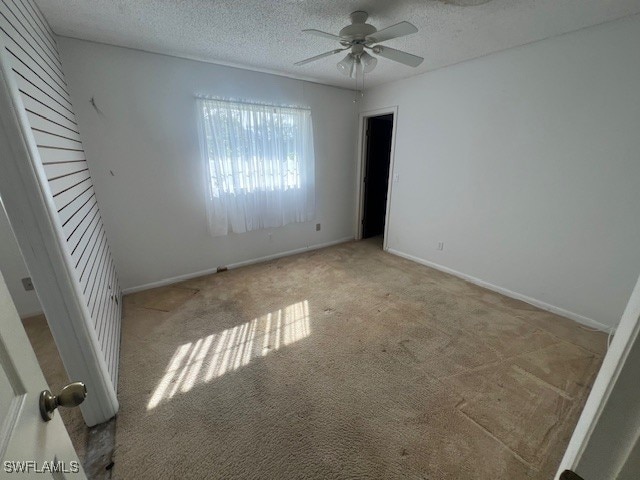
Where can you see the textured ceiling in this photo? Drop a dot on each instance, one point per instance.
(266, 35)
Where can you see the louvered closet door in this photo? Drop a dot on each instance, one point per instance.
(34, 62)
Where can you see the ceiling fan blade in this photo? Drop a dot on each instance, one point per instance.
(394, 31)
(318, 57)
(320, 33)
(398, 55)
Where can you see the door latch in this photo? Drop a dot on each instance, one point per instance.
(569, 475)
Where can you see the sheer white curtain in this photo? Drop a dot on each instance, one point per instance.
(260, 165)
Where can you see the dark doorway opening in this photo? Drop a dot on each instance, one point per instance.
(379, 131)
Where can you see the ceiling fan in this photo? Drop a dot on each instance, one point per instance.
(361, 36)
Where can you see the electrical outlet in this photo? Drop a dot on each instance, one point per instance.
(317, 227)
(27, 284)
(440, 245)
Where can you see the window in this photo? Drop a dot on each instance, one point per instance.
(260, 165)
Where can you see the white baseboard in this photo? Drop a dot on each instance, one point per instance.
(188, 276)
(518, 296)
(37, 313)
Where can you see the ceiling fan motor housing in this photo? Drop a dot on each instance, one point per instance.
(358, 30)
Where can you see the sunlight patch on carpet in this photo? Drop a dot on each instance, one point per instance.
(213, 356)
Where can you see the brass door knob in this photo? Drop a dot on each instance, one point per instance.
(70, 396)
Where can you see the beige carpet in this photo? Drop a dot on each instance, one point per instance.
(346, 362)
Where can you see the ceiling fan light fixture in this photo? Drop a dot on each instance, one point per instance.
(357, 71)
(346, 66)
(369, 62)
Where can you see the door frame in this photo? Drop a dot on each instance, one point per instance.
(626, 335)
(33, 217)
(361, 168)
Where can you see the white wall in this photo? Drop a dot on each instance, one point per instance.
(14, 270)
(146, 135)
(526, 164)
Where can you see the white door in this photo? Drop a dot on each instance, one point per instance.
(28, 444)
(606, 441)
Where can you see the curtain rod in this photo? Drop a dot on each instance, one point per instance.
(246, 102)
